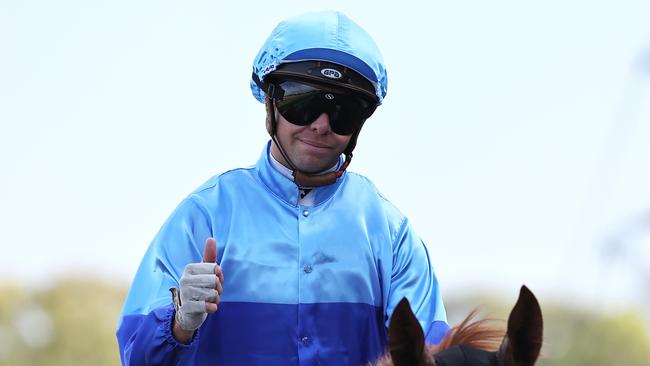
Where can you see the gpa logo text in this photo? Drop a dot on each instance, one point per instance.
(331, 73)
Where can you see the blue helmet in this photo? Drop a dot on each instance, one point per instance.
(327, 36)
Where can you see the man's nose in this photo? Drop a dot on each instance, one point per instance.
(321, 125)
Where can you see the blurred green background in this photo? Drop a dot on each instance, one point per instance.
(73, 323)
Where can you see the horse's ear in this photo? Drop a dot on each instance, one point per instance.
(405, 336)
(523, 341)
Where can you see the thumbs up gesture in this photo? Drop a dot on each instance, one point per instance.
(200, 289)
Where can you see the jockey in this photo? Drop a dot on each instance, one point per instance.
(303, 262)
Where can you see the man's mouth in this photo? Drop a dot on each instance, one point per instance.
(315, 144)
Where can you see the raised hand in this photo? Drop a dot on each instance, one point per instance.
(200, 289)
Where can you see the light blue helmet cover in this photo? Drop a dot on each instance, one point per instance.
(322, 36)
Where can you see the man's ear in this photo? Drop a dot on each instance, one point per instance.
(523, 341)
(405, 336)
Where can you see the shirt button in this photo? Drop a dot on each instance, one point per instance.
(304, 340)
(307, 269)
(305, 213)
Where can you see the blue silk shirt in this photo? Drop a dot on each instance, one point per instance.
(304, 285)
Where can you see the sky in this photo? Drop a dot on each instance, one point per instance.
(514, 134)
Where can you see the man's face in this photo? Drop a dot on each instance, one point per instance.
(312, 148)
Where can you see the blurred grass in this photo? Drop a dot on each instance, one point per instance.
(73, 323)
(76, 325)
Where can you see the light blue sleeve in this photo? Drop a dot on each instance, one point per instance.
(413, 277)
(144, 328)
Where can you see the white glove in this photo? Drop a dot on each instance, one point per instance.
(200, 290)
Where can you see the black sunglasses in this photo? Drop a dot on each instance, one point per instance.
(301, 104)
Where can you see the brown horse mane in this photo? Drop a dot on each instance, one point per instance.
(474, 333)
(470, 341)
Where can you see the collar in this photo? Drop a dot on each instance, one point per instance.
(279, 180)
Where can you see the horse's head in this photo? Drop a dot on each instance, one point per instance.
(468, 344)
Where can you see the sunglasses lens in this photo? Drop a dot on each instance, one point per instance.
(302, 104)
(300, 109)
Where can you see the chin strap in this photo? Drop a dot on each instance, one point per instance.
(301, 178)
(316, 180)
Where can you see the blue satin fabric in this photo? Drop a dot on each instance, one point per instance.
(303, 285)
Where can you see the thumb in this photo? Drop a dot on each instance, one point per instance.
(210, 251)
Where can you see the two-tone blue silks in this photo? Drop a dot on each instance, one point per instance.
(303, 285)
